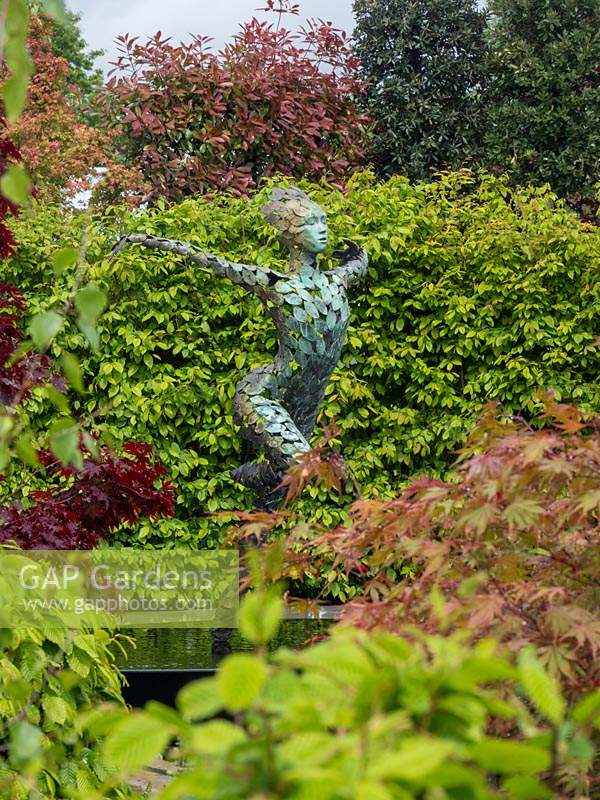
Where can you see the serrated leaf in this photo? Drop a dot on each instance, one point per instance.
(72, 371)
(260, 616)
(135, 742)
(64, 443)
(499, 755)
(240, 680)
(415, 758)
(25, 742)
(199, 699)
(55, 709)
(216, 736)
(541, 687)
(44, 327)
(62, 259)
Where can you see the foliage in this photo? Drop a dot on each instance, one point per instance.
(59, 151)
(271, 102)
(508, 547)
(94, 495)
(68, 43)
(51, 677)
(544, 107)
(366, 716)
(8, 155)
(424, 62)
(473, 293)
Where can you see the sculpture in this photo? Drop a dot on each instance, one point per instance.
(276, 406)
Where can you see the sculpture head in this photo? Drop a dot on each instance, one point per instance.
(302, 223)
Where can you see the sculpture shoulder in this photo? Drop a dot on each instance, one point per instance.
(354, 266)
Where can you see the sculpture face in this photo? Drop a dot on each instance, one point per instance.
(312, 236)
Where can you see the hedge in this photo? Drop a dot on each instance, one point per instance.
(474, 292)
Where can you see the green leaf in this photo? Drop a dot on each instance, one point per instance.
(260, 616)
(63, 258)
(56, 10)
(25, 450)
(90, 302)
(64, 443)
(55, 709)
(499, 755)
(15, 184)
(415, 758)
(44, 327)
(135, 742)
(72, 371)
(588, 709)
(199, 699)
(541, 688)
(216, 737)
(526, 787)
(25, 742)
(240, 680)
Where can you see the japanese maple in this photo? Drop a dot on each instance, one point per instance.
(507, 547)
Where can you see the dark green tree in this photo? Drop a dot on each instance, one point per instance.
(544, 118)
(424, 62)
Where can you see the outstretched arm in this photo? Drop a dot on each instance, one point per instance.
(250, 277)
(355, 263)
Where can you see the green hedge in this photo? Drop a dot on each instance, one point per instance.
(474, 292)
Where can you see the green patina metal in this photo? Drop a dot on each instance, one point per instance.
(276, 406)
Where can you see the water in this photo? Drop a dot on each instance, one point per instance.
(182, 649)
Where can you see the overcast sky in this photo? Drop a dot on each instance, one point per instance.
(103, 20)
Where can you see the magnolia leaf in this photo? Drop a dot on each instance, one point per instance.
(44, 327)
(240, 680)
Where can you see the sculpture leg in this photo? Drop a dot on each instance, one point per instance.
(268, 427)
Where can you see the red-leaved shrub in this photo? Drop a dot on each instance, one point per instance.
(508, 547)
(271, 102)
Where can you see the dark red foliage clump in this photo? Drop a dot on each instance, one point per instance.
(108, 491)
(18, 375)
(8, 155)
(89, 503)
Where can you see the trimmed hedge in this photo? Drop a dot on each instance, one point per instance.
(474, 292)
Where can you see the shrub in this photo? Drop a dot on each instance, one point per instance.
(544, 106)
(424, 64)
(81, 500)
(508, 547)
(366, 716)
(50, 678)
(195, 122)
(474, 292)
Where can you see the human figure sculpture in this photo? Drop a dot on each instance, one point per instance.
(276, 406)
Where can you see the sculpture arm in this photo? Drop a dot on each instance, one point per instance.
(355, 262)
(252, 278)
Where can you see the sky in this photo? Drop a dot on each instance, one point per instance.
(103, 20)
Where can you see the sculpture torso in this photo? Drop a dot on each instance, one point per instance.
(311, 312)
